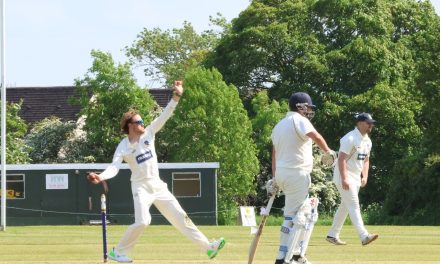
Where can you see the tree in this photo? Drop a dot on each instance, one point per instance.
(320, 46)
(114, 91)
(16, 128)
(53, 140)
(419, 204)
(350, 56)
(166, 55)
(210, 124)
(428, 79)
(322, 184)
(271, 46)
(264, 116)
(46, 138)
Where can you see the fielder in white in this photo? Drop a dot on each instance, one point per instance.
(292, 163)
(351, 173)
(138, 150)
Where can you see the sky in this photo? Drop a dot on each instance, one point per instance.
(48, 42)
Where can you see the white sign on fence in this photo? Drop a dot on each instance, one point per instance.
(57, 181)
(247, 214)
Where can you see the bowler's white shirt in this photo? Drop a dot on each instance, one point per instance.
(141, 156)
(358, 148)
(293, 148)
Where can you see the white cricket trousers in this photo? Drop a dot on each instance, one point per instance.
(295, 185)
(349, 206)
(155, 191)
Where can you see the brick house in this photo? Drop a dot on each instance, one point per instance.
(42, 102)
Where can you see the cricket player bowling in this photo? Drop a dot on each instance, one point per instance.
(138, 150)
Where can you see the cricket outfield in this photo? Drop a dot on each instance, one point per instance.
(163, 244)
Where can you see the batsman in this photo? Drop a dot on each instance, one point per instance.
(292, 163)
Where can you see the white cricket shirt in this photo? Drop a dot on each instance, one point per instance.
(141, 156)
(358, 148)
(293, 148)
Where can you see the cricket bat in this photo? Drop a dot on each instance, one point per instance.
(256, 240)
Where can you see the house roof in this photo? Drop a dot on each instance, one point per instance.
(161, 96)
(42, 102)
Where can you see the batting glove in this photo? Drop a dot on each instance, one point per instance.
(329, 158)
(272, 187)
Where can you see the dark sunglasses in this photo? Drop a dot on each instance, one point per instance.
(138, 122)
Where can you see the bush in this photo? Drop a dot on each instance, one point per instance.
(418, 178)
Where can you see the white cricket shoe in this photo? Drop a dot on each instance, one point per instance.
(335, 241)
(301, 260)
(114, 255)
(215, 247)
(296, 259)
(368, 239)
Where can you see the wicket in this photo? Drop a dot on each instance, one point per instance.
(104, 225)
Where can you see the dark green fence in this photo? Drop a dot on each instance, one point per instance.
(59, 194)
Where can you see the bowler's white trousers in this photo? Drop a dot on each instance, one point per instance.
(155, 191)
(349, 205)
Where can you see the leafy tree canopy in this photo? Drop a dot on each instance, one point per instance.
(114, 91)
(166, 55)
(46, 139)
(350, 56)
(16, 129)
(210, 124)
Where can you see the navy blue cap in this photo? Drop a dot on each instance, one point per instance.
(300, 98)
(365, 117)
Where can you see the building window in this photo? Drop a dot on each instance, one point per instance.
(14, 186)
(187, 184)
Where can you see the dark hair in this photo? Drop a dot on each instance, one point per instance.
(126, 118)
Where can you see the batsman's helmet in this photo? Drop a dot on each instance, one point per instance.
(300, 99)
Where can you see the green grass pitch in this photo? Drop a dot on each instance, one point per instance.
(164, 244)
